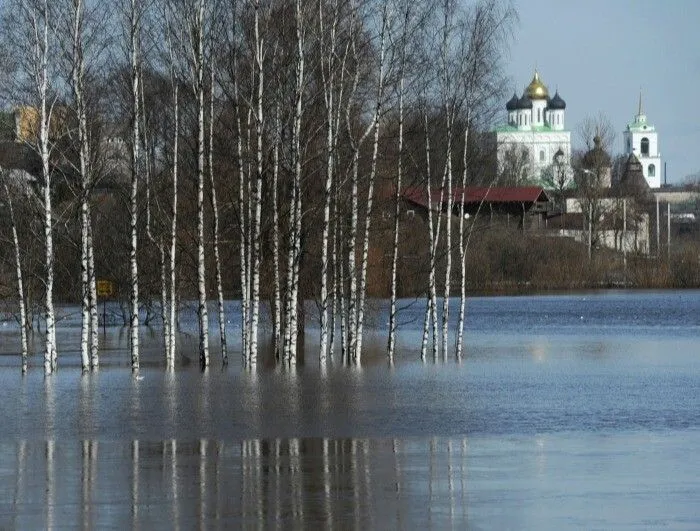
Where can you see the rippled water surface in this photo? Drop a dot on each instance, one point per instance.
(567, 412)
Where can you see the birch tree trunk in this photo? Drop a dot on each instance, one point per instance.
(277, 302)
(41, 46)
(355, 146)
(198, 36)
(462, 252)
(257, 192)
(94, 317)
(134, 31)
(333, 65)
(77, 86)
(370, 191)
(328, 76)
(294, 252)
(433, 243)
(397, 192)
(20, 277)
(243, 217)
(431, 298)
(215, 227)
(172, 301)
(449, 120)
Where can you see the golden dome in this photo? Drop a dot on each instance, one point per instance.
(537, 90)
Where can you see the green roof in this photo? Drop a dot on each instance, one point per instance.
(640, 127)
(534, 128)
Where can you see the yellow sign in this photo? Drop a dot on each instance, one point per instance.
(105, 288)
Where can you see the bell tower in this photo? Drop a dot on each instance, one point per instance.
(641, 139)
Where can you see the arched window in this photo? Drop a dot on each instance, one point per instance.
(651, 170)
(645, 146)
(542, 155)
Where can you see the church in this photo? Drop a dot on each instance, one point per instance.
(534, 147)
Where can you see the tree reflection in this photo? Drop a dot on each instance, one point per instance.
(261, 483)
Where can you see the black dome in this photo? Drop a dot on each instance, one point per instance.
(556, 103)
(512, 103)
(524, 102)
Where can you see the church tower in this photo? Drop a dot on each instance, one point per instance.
(641, 139)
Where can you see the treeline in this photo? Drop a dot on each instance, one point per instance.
(252, 149)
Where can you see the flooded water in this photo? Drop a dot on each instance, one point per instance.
(567, 412)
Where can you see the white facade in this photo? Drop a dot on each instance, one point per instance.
(640, 138)
(536, 126)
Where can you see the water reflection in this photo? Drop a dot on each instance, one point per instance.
(258, 483)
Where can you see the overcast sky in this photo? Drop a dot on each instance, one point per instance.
(600, 53)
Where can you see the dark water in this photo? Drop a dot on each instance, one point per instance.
(567, 412)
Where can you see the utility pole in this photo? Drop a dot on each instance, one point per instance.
(624, 235)
(658, 230)
(668, 232)
(590, 229)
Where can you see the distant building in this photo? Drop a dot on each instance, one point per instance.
(534, 143)
(28, 121)
(641, 139)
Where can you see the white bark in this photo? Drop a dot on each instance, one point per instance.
(77, 86)
(84, 287)
(433, 242)
(328, 75)
(173, 226)
(18, 272)
(397, 193)
(40, 44)
(215, 227)
(370, 191)
(202, 312)
(92, 289)
(257, 193)
(355, 145)
(277, 302)
(295, 225)
(462, 253)
(134, 30)
(164, 301)
(449, 120)
(242, 215)
(333, 65)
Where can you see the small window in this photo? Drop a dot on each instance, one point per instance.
(645, 146)
(651, 170)
(542, 155)
(539, 115)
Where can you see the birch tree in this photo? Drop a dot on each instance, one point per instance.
(256, 260)
(370, 191)
(448, 109)
(88, 342)
(134, 15)
(215, 223)
(403, 44)
(295, 200)
(488, 26)
(328, 73)
(18, 272)
(37, 49)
